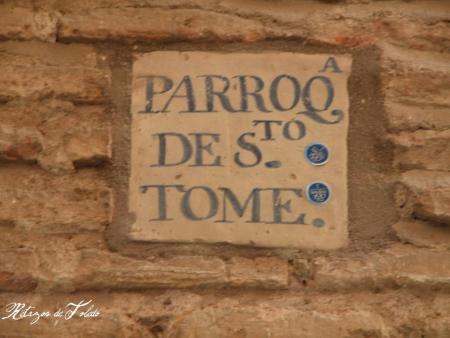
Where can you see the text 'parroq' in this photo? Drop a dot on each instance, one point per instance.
(240, 148)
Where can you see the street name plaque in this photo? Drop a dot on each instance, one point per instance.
(241, 148)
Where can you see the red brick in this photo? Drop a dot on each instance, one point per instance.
(156, 24)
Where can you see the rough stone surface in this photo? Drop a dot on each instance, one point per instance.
(44, 262)
(416, 86)
(101, 271)
(411, 117)
(24, 23)
(415, 77)
(398, 266)
(290, 316)
(63, 265)
(39, 70)
(316, 22)
(270, 272)
(134, 23)
(423, 235)
(419, 87)
(65, 77)
(423, 149)
(35, 201)
(186, 314)
(56, 134)
(55, 262)
(15, 273)
(16, 21)
(429, 194)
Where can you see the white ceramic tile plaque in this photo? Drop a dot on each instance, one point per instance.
(242, 148)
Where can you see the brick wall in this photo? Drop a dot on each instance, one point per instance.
(65, 73)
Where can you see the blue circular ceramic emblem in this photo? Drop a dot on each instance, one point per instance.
(317, 153)
(318, 193)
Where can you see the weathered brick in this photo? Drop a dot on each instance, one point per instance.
(422, 149)
(410, 117)
(66, 6)
(39, 70)
(156, 24)
(15, 270)
(58, 264)
(419, 87)
(16, 21)
(61, 266)
(262, 272)
(423, 235)
(413, 34)
(109, 323)
(416, 86)
(184, 20)
(357, 315)
(347, 24)
(271, 319)
(415, 77)
(34, 200)
(56, 134)
(429, 194)
(42, 262)
(59, 133)
(290, 11)
(185, 314)
(351, 23)
(26, 23)
(400, 265)
(101, 270)
(402, 32)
